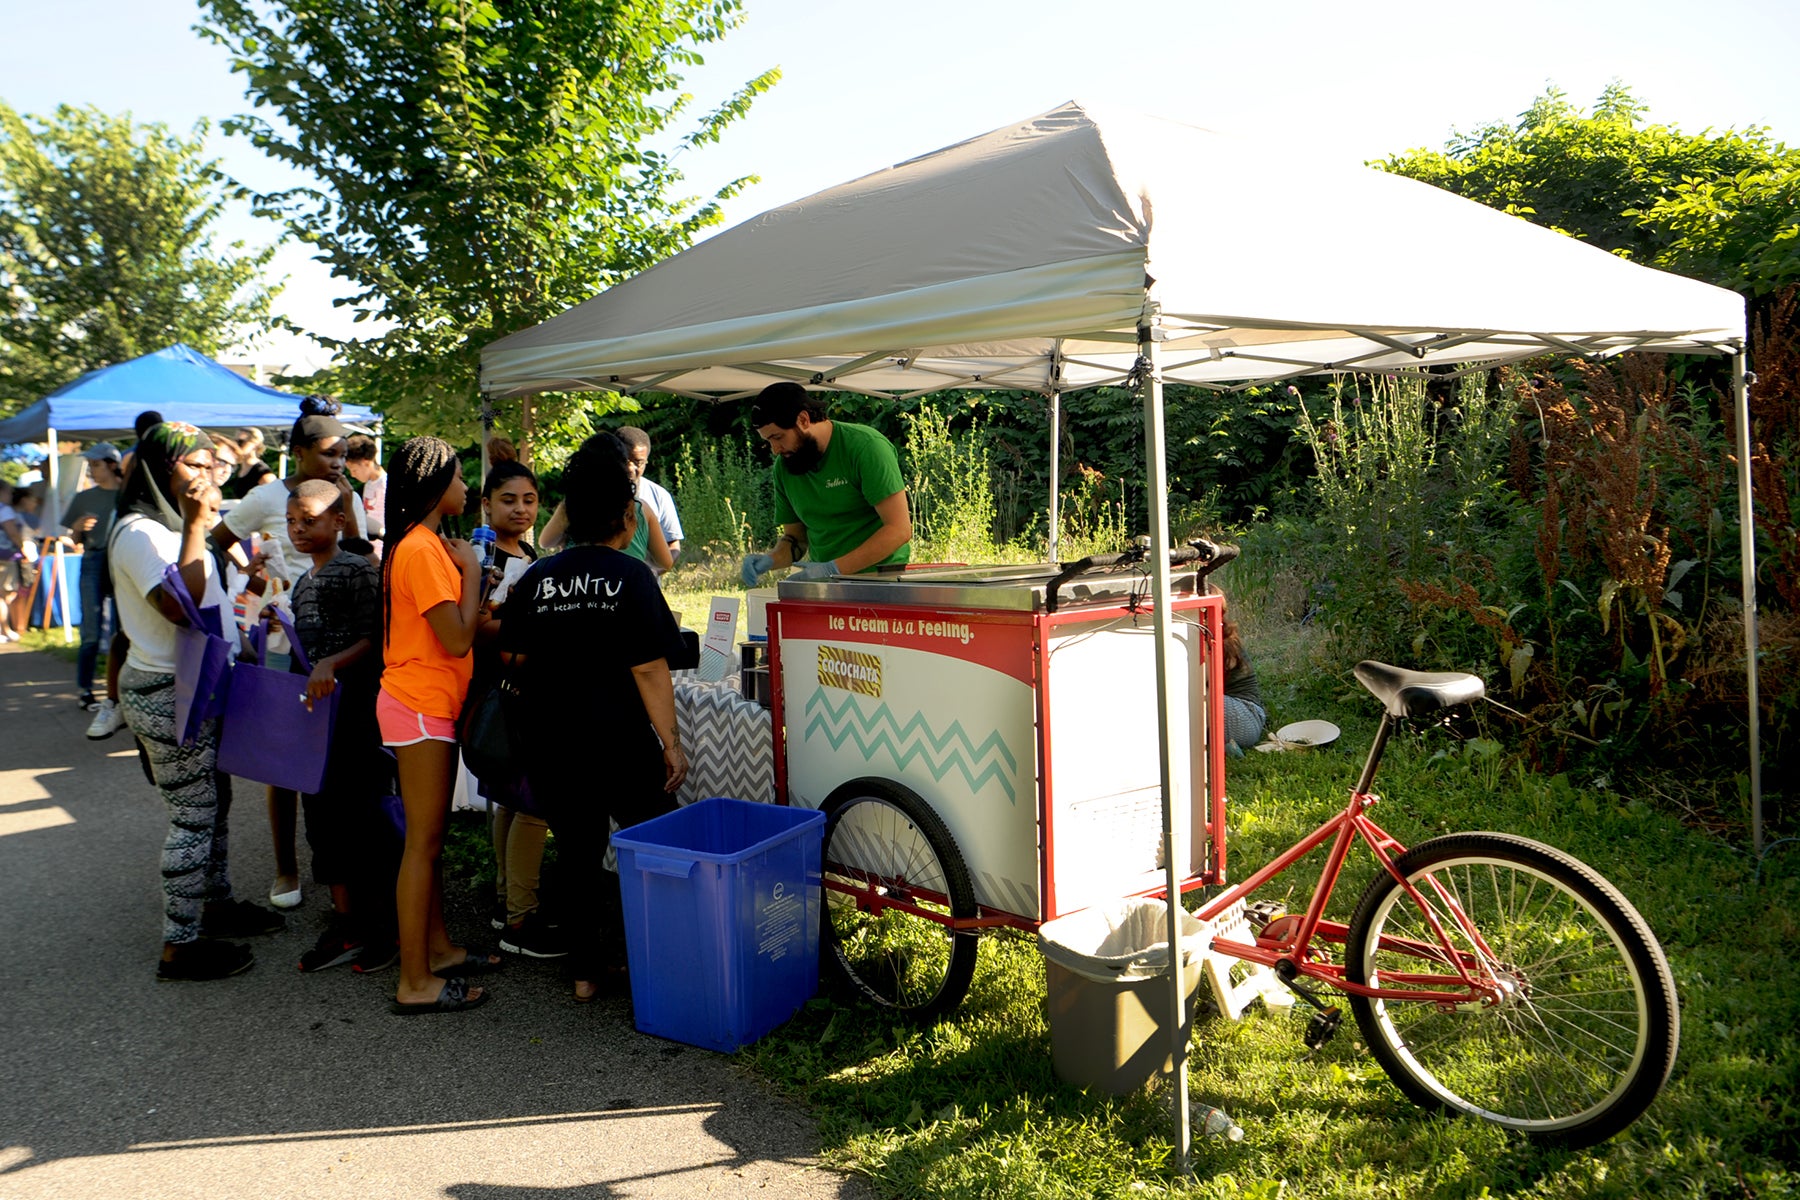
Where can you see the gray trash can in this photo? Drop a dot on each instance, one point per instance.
(1108, 992)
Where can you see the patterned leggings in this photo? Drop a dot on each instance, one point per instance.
(1244, 722)
(199, 797)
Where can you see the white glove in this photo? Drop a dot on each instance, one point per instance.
(755, 567)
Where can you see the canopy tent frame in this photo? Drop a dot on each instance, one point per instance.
(1148, 373)
(978, 298)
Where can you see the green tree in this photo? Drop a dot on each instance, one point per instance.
(1719, 206)
(480, 168)
(1742, 231)
(107, 249)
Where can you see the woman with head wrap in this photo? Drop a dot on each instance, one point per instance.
(166, 505)
(317, 442)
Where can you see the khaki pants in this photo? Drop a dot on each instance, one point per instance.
(518, 860)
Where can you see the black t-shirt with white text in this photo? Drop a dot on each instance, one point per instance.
(583, 619)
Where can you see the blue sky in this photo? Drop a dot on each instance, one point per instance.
(869, 84)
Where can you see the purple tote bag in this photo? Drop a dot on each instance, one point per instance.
(270, 736)
(202, 661)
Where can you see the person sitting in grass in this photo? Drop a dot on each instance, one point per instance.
(1245, 715)
(337, 616)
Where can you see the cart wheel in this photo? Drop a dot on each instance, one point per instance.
(893, 883)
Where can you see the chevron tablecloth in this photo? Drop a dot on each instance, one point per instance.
(730, 741)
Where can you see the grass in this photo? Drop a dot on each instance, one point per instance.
(51, 642)
(970, 1107)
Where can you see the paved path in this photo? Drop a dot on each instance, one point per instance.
(275, 1085)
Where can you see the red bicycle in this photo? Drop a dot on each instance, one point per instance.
(1491, 975)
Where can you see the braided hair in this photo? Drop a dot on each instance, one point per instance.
(420, 471)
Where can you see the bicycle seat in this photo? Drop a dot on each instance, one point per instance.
(1414, 693)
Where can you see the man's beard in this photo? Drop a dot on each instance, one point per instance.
(806, 459)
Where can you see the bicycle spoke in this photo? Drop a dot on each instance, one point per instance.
(1565, 1030)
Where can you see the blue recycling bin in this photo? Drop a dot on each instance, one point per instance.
(722, 915)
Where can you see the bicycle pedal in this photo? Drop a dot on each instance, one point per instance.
(1322, 1027)
(1262, 912)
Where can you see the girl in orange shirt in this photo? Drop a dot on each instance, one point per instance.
(432, 594)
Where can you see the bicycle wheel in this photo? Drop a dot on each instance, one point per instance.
(884, 845)
(1585, 1032)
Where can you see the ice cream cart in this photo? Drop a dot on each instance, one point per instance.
(984, 743)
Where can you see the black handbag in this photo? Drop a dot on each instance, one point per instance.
(488, 731)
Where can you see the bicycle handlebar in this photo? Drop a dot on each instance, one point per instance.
(1209, 554)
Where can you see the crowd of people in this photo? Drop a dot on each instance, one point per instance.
(399, 623)
(395, 621)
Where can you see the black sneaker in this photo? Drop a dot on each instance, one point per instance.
(534, 938)
(198, 961)
(497, 915)
(87, 702)
(376, 956)
(335, 947)
(239, 918)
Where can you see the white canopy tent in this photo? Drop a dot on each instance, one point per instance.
(1079, 248)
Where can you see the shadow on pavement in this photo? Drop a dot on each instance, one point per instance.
(284, 1084)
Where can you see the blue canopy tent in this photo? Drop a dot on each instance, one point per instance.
(178, 381)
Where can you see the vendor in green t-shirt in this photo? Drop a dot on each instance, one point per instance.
(838, 491)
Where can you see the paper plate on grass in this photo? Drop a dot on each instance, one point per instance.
(1301, 735)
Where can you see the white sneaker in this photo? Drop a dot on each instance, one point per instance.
(109, 718)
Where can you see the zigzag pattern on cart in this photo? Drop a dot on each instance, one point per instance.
(729, 746)
(881, 729)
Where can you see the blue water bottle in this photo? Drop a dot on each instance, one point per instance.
(482, 538)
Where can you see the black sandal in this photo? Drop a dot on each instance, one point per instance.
(454, 998)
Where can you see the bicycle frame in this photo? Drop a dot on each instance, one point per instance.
(1471, 978)
(1473, 982)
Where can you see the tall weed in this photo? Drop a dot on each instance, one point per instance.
(1092, 515)
(1411, 488)
(724, 498)
(949, 485)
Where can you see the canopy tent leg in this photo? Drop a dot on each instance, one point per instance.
(1740, 393)
(1158, 479)
(53, 501)
(1055, 471)
(1056, 389)
(487, 435)
(61, 590)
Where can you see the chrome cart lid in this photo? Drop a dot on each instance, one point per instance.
(1011, 587)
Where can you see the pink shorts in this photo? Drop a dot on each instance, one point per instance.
(401, 726)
